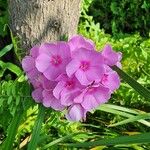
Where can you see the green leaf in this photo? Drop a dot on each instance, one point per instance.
(12, 130)
(12, 67)
(37, 128)
(134, 139)
(121, 113)
(120, 108)
(60, 140)
(134, 84)
(132, 119)
(6, 49)
(10, 99)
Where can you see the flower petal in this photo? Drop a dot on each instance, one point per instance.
(75, 113)
(52, 72)
(34, 52)
(58, 89)
(72, 67)
(28, 63)
(112, 81)
(89, 102)
(81, 76)
(50, 101)
(37, 95)
(42, 62)
(79, 41)
(47, 48)
(110, 56)
(102, 94)
(95, 73)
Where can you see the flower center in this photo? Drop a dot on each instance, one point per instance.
(70, 84)
(84, 65)
(56, 60)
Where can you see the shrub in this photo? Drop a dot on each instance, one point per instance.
(124, 16)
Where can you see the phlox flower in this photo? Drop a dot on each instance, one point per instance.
(50, 101)
(86, 65)
(110, 79)
(67, 89)
(53, 59)
(76, 113)
(111, 57)
(72, 75)
(28, 64)
(37, 94)
(76, 42)
(93, 96)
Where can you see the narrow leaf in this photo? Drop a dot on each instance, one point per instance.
(134, 139)
(60, 140)
(12, 130)
(6, 49)
(121, 113)
(134, 84)
(37, 128)
(132, 119)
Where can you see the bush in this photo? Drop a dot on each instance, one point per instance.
(124, 16)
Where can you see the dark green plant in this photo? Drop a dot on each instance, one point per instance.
(123, 16)
(3, 17)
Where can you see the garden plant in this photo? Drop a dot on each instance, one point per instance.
(74, 75)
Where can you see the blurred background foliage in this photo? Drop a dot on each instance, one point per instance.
(123, 16)
(125, 25)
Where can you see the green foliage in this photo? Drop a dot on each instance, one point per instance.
(3, 17)
(123, 16)
(141, 138)
(7, 65)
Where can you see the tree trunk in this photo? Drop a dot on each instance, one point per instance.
(36, 21)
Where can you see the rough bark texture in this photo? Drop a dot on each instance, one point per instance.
(36, 21)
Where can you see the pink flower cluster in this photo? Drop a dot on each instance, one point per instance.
(72, 75)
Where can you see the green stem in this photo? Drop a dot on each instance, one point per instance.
(12, 130)
(36, 130)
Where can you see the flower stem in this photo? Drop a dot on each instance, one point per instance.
(36, 130)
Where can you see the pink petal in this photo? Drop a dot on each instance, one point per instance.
(75, 113)
(102, 94)
(82, 78)
(50, 101)
(67, 96)
(118, 64)
(79, 98)
(37, 95)
(32, 74)
(52, 72)
(95, 73)
(72, 67)
(28, 63)
(113, 81)
(42, 62)
(83, 54)
(34, 52)
(47, 49)
(111, 57)
(58, 89)
(47, 84)
(63, 49)
(89, 102)
(78, 41)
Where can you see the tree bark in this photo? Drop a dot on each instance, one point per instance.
(36, 21)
